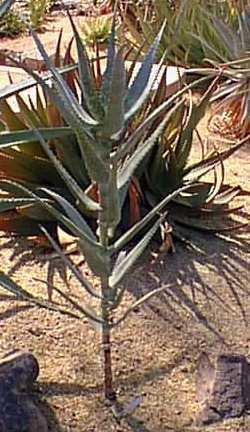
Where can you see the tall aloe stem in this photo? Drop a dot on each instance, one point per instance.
(105, 290)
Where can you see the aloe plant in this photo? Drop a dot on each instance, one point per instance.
(113, 153)
(111, 159)
(231, 114)
(185, 21)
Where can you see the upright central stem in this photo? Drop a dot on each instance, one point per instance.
(106, 336)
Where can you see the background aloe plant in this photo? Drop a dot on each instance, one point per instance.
(186, 20)
(231, 116)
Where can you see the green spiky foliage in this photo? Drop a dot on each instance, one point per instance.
(23, 159)
(26, 161)
(185, 20)
(96, 30)
(5, 6)
(11, 24)
(113, 153)
(98, 124)
(231, 115)
(197, 35)
(208, 206)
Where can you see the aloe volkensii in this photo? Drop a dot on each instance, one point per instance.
(111, 158)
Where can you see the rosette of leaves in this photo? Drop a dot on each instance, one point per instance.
(186, 21)
(231, 114)
(96, 30)
(26, 161)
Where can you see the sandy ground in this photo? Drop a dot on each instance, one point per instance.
(155, 350)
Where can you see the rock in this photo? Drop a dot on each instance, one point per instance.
(223, 389)
(18, 411)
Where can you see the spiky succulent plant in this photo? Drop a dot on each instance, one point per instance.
(163, 169)
(185, 21)
(231, 115)
(113, 154)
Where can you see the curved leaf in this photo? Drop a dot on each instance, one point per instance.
(19, 137)
(140, 88)
(114, 119)
(127, 262)
(5, 5)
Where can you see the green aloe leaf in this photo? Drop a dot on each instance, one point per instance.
(92, 155)
(10, 139)
(4, 6)
(76, 190)
(141, 87)
(135, 229)
(41, 108)
(127, 262)
(68, 152)
(20, 166)
(76, 117)
(66, 94)
(86, 79)
(12, 89)
(83, 281)
(8, 284)
(72, 213)
(96, 257)
(95, 254)
(138, 133)
(196, 196)
(126, 172)
(10, 117)
(111, 197)
(27, 112)
(185, 140)
(107, 76)
(114, 118)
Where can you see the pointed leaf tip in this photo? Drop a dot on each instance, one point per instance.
(141, 87)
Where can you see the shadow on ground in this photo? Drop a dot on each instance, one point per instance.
(195, 274)
(192, 275)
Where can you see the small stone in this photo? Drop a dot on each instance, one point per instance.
(18, 412)
(223, 389)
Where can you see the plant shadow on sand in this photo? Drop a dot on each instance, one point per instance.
(193, 276)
